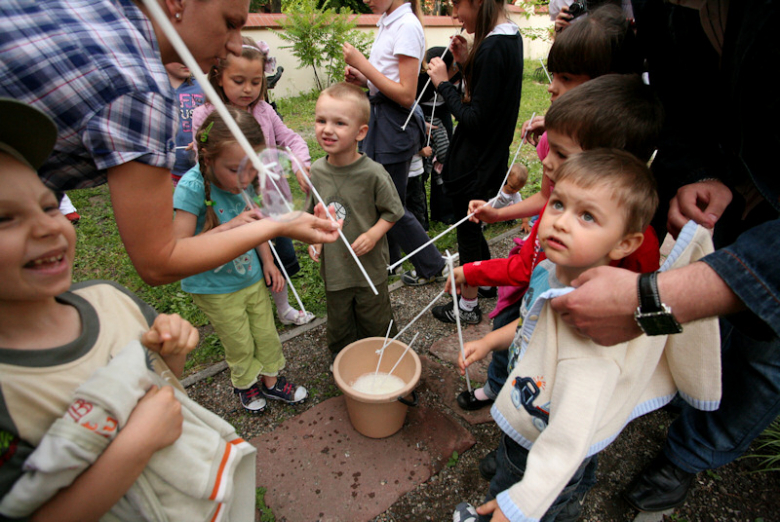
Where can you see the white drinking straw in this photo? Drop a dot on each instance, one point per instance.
(457, 317)
(341, 233)
(430, 125)
(545, 70)
(427, 307)
(156, 12)
(251, 204)
(384, 344)
(417, 101)
(454, 226)
(402, 356)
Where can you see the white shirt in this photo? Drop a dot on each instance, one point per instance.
(400, 33)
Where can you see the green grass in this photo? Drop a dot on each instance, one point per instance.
(101, 255)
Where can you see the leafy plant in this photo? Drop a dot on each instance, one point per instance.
(453, 460)
(266, 515)
(768, 450)
(316, 36)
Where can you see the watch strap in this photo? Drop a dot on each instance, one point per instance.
(649, 299)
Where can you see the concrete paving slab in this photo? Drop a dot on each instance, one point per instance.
(447, 384)
(316, 467)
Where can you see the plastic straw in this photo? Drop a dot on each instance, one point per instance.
(454, 226)
(544, 67)
(402, 356)
(341, 233)
(286, 276)
(430, 126)
(457, 318)
(417, 101)
(384, 344)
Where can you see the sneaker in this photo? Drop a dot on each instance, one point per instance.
(465, 512)
(411, 278)
(395, 272)
(296, 317)
(73, 217)
(445, 314)
(286, 392)
(251, 399)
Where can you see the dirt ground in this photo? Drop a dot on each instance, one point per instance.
(732, 493)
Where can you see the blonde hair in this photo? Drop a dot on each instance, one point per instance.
(630, 181)
(212, 138)
(351, 93)
(250, 51)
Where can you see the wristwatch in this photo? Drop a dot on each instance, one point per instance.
(653, 316)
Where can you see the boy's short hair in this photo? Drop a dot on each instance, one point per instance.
(352, 93)
(600, 43)
(616, 111)
(630, 180)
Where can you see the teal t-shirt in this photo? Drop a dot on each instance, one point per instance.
(243, 271)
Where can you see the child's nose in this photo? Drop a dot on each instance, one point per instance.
(46, 225)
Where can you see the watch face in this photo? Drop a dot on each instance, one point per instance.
(658, 323)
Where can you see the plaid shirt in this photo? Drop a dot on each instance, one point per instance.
(94, 66)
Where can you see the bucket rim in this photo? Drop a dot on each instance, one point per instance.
(372, 398)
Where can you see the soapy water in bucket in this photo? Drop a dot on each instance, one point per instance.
(279, 195)
(378, 383)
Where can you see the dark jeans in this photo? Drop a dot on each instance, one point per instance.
(286, 250)
(407, 234)
(497, 370)
(700, 440)
(510, 469)
(471, 243)
(415, 199)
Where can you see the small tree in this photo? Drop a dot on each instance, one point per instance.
(316, 36)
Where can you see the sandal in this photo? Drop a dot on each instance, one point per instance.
(296, 317)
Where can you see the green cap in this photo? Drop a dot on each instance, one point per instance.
(26, 133)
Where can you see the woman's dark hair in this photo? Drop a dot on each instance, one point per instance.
(487, 19)
(601, 42)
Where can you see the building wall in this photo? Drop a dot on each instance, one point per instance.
(438, 30)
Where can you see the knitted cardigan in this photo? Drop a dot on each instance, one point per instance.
(569, 398)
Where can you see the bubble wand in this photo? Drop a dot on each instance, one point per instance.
(451, 262)
(381, 351)
(544, 68)
(454, 226)
(399, 359)
(417, 101)
(341, 233)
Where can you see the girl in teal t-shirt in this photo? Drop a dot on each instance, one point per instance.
(234, 296)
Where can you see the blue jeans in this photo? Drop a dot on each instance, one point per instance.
(699, 440)
(510, 469)
(407, 234)
(497, 370)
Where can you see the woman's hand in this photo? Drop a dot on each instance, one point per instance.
(355, 77)
(459, 48)
(247, 216)
(437, 70)
(317, 228)
(702, 202)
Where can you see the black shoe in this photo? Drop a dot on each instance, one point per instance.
(468, 401)
(487, 466)
(490, 293)
(445, 314)
(660, 486)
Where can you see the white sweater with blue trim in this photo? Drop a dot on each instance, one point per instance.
(568, 398)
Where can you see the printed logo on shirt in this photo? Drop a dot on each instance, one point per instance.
(525, 391)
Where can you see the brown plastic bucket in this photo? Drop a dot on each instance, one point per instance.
(376, 415)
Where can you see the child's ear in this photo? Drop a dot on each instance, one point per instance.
(362, 132)
(627, 246)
